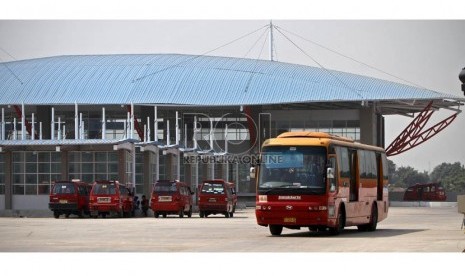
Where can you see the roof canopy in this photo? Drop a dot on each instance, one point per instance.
(171, 79)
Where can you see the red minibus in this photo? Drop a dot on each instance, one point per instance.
(110, 197)
(171, 197)
(217, 197)
(425, 192)
(70, 197)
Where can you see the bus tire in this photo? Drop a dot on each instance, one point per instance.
(181, 213)
(276, 230)
(373, 218)
(201, 214)
(341, 221)
(56, 215)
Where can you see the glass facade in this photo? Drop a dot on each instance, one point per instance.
(34, 172)
(345, 128)
(91, 166)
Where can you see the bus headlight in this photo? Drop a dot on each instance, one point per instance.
(331, 211)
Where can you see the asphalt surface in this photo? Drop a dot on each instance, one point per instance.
(407, 229)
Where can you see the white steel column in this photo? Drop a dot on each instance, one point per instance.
(155, 125)
(33, 128)
(176, 128)
(104, 124)
(52, 129)
(59, 128)
(132, 122)
(76, 123)
(23, 123)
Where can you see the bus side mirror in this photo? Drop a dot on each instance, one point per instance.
(330, 173)
(252, 172)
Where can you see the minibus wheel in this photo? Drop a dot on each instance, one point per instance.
(276, 230)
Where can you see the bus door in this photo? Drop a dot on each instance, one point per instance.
(354, 176)
(380, 178)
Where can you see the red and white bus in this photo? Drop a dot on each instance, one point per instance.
(320, 181)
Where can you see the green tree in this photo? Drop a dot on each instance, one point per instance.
(392, 168)
(451, 176)
(408, 176)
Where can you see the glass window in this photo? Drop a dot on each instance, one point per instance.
(18, 189)
(31, 178)
(87, 157)
(44, 156)
(165, 187)
(104, 189)
(101, 167)
(44, 167)
(100, 157)
(212, 188)
(43, 189)
(31, 156)
(2, 189)
(293, 170)
(343, 161)
(55, 157)
(31, 167)
(31, 189)
(18, 157)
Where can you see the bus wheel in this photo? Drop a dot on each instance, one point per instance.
(276, 230)
(181, 213)
(341, 221)
(231, 214)
(56, 215)
(80, 213)
(164, 215)
(155, 214)
(67, 215)
(373, 219)
(201, 214)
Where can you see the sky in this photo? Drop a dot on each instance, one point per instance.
(427, 51)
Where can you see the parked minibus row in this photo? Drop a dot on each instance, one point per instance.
(169, 197)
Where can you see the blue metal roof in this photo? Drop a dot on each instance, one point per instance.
(173, 79)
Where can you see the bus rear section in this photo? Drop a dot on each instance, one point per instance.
(217, 197)
(70, 197)
(171, 197)
(321, 182)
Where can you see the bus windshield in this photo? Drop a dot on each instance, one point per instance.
(292, 170)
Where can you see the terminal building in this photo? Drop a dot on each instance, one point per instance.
(139, 118)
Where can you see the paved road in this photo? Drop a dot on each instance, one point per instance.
(405, 230)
